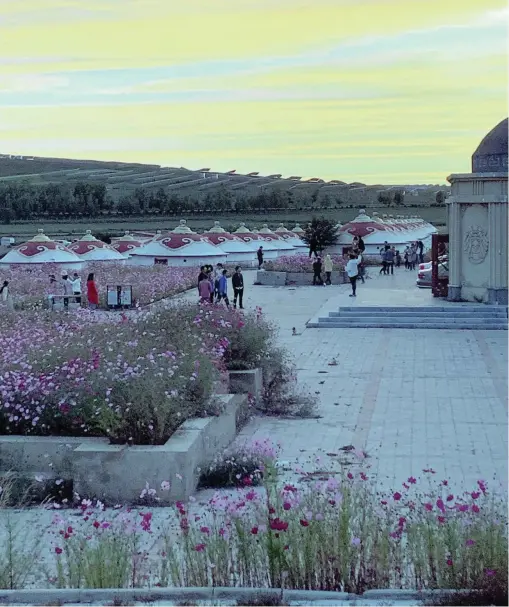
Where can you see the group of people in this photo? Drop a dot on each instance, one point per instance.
(213, 285)
(71, 287)
(392, 258)
(355, 268)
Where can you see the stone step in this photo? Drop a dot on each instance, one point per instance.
(414, 319)
(479, 309)
(394, 324)
(415, 314)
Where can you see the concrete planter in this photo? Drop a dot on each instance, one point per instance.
(118, 473)
(297, 279)
(247, 382)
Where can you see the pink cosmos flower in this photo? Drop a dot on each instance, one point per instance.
(440, 505)
(469, 543)
(475, 494)
(475, 508)
(304, 523)
(58, 550)
(287, 506)
(449, 562)
(199, 547)
(450, 497)
(396, 496)
(411, 480)
(428, 506)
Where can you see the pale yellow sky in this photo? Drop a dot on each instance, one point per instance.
(376, 91)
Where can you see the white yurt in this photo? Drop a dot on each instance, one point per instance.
(238, 251)
(297, 230)
(40, 250)
(284, 246)
(255, 240)
(126, 244)
(179, 247)
(89, 248)
(374, 232)
(291, 238)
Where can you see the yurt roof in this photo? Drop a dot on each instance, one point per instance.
(90, 248)
(40, 249)
(126, 243)
(229, 243)
(180, 242)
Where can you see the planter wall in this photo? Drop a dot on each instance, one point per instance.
(247, 382)
(118, 473)
(280, 279)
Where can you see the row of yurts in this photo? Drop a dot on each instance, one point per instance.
(183, 247)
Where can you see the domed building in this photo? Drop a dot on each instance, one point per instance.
(179, 247)
(376, 231)
(477, 222)
(292, 238)
(42, 250)
(238, 251)
(255, 240)
(283, 245)
(126, 244)
(90, 248)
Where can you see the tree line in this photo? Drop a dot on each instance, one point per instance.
(26, 201)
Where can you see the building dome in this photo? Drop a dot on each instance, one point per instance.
(290, 237)
(126, 244)
(181, 243)
(491, 154)
(297, 229)
(89, 248)
(235, 247)
(284, 246)
(42, 249)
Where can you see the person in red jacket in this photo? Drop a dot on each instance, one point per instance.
(92, 294)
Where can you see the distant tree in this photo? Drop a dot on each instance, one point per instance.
(322, 231)
(384, 198)
(440, 197)
(399, 197)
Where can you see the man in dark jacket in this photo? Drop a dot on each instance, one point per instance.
(420, 247)
(238, 287)
(313, 243)
(259, 254)
(317, 271)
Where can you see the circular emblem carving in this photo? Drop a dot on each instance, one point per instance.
(476, 244)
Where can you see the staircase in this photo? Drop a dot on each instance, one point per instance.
(462, 316)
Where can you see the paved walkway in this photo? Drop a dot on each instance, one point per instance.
(412, 399)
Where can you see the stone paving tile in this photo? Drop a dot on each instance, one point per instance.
(411, 399)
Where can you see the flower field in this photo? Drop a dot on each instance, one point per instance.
(132, 377)
(304, 264)
(30, 286)
(332, 531)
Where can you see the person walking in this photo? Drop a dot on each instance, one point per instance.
(383, 255)
(352, 270)
(218, 272)
(67, 289)
(210, 276)
(362, 267)
(328, 269)
(313, 244)
(420, 248)
(390, 255)
(201, 276)
(361, 245)
(259, 255)
(406, 256)
(205, 289)
(413, 257)
(317, 271)
(238, 287)
(76, 287)
(398, 259)
(5, 295)
(223, 288)
(92, 293)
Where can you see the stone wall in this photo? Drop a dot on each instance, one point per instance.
(118, 473)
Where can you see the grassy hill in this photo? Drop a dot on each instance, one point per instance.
(336, 198)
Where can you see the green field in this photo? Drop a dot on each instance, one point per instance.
(435, 215)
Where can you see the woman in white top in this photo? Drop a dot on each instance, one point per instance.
(327, 265)
(352, 269)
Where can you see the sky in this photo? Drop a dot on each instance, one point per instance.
(376, 91)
